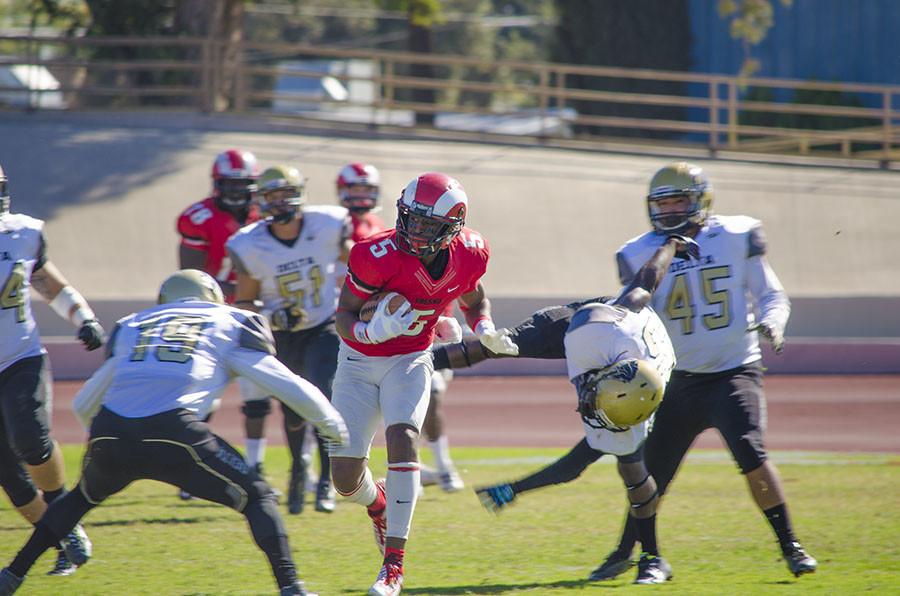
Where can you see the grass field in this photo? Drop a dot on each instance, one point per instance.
(845, 509)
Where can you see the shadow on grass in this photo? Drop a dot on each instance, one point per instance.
(153, 521)
(572, 584)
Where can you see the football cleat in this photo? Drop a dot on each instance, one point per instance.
(62, 566)
(9, 582)
(325, 502)
(615, 565)
(451, 481)
(297, 589)
(379, 520)
(77, 546)
(653, 569)
(390, 580)
(428, 476)
(798, 560)
(184, 495)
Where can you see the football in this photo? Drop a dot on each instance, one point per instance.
(396, 301)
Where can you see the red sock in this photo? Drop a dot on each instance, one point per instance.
(378, 505)
(394, 555)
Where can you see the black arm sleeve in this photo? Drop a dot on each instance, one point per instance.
(41, 258)
(756, 242)
(565, 469)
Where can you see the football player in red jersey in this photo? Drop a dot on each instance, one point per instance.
(204, 228)
(384, 366)
(358, 188)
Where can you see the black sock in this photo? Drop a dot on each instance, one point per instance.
(629, 537)
(646, 529)
(52, 495)
(324, 460)
(781, 525)
(270, 535)
(41, 539)
(295, 439)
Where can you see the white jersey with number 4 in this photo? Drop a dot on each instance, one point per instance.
(707, 305)
(602, 334)
(303, 273)
(21, 249)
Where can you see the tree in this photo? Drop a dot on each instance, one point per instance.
(750, 23)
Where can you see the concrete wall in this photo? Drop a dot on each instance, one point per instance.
(111, 185)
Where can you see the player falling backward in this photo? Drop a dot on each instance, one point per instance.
(619, 357)
(164, 365)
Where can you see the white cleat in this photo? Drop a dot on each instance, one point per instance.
(389, 582)
(451, 481)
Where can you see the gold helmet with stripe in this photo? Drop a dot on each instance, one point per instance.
(190, 284)
(282, 192)
(621, 395)
(679, 180)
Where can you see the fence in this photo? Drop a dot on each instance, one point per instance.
(551, 103)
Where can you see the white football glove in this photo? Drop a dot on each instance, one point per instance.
(771, 334)
(448, 330)
(497, 341)
(383, 326)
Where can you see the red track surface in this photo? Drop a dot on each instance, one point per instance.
(833, 413)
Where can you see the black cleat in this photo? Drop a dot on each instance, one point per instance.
(615, 565)
(63, 566)
(296, 491)
(325, 499)
(653, 569)
(798, 560)
(9, 582)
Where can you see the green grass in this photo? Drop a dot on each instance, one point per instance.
(844, 507)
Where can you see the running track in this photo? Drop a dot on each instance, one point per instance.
(828, 413)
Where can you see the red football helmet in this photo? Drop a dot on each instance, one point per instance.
(234, 175)
(358, 186)
(430, 213)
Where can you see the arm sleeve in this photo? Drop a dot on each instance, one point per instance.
(41, 258)
(626, 274)
(90, 397)
(771, 299)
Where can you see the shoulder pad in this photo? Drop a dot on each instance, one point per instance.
(255, 333)
(596, 312)
(756, 242)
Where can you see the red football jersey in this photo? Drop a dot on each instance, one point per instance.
(366, 225)
(378, 265)
(203, 226)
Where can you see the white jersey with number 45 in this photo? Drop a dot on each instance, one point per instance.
(602, 334)
(707, 305)
(303, 273)
(21, 250)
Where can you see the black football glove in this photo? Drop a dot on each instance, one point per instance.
(91, 334)
(494, 498)
(289, 318)
(685, 247)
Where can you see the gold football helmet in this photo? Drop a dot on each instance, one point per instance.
(621, 395)
(680, 179)
(282, 192)
(190, 284)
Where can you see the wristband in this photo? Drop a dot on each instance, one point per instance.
(483, 325)
(71, 305)
(359, 332)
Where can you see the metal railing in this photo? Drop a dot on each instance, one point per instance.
(715, 112)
